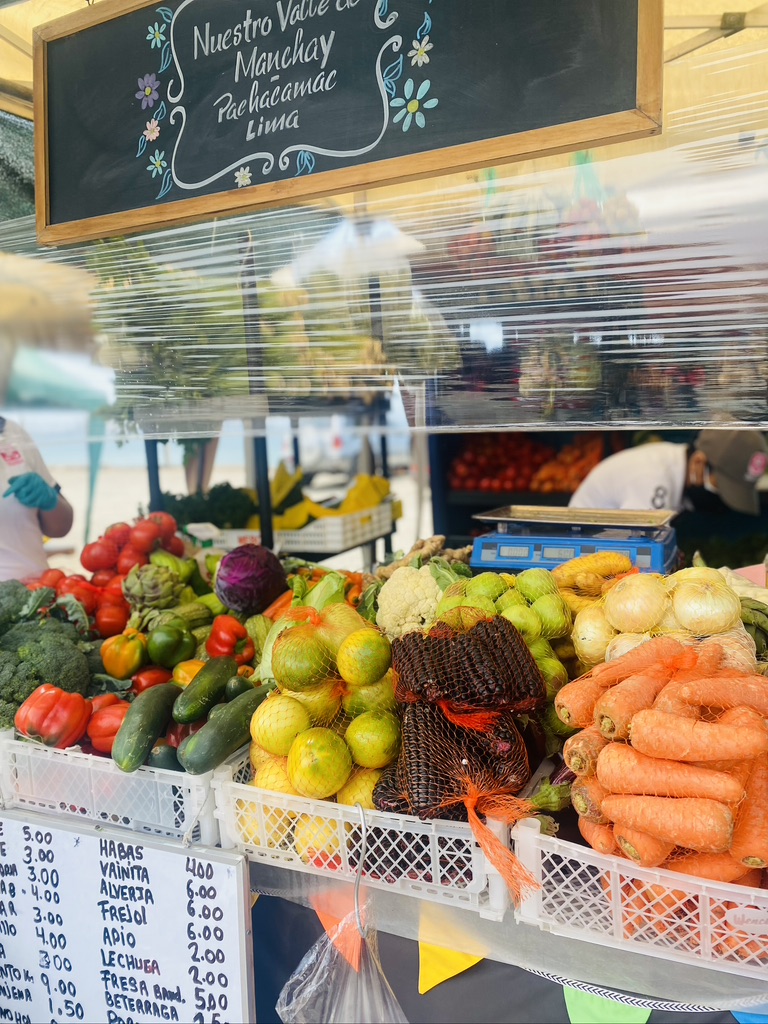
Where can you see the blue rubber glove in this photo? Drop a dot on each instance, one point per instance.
(33, 492)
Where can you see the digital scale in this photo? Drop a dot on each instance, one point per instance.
(542, 536)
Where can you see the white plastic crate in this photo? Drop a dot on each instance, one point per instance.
(439, 861)
(612, 902)
(157, 801)
(331, 534)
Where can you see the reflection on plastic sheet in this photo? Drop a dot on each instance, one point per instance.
(623, 287)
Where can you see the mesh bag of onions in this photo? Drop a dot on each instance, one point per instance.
(690, 605)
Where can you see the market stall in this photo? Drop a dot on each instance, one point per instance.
(365, 753)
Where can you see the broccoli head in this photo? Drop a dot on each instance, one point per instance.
(13, 597)
(32, 653)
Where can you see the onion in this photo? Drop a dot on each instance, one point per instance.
(697, 573)
(739, 651)
(623, 643)
(636, 603)
(591, 635)
(668, 622)
(706, 608)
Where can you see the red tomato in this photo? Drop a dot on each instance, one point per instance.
(115, 585)
(101, 577)
(52, 578)
(175, 545)
(111, 619)
(111, 598)
(145, 536)
(470, 483)
(118, 533)
(165, 523)
(101, 554)
(81, 590)
(129, 557)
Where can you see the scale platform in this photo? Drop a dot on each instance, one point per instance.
(543, 536)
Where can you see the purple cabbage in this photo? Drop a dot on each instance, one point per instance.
(249, 579)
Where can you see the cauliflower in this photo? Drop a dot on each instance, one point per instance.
(408, 601)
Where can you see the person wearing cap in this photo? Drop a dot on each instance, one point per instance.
(666, 474)
(31, 505)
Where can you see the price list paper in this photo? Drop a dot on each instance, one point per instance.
(106, 925)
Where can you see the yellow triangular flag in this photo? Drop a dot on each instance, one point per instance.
(437, 964)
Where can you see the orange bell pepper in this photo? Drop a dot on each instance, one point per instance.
(123, 655)
(185, 671)
(55, 717)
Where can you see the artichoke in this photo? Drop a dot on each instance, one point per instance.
(152, 586)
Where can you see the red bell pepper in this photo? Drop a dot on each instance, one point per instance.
(103, 701)
(229, 639)
(151, 676)
(177, 732)
(105, 724)
(54, 716)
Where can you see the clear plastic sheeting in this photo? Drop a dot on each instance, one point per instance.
(620, 287)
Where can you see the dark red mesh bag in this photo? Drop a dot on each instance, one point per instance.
(487, 667)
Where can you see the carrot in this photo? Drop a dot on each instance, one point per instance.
(600, 837)
(280, 605)
(622, 769)
(586, 796)
(659, 649)
(728, 690)
(669, 700)
(752, 878)
(580, 750)
(647, 903)
(750, 836)
(575, 702)
(716, 867)
(645, 850)
(659, 734)
(614, 708)
(734, 940)
(692, 822)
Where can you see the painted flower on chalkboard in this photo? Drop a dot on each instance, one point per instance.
(412, 107)
(420, 52)
(156, 35)
(157, 163)
(152, 130)
(148, 94)
(243, 177)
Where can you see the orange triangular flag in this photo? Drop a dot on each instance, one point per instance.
(332, 908)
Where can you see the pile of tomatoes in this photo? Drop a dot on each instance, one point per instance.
(122, 546)
(497, 462)
(109, 560)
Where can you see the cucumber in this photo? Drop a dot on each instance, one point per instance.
(223, 734)
(163, 755)
(237, 685)
(146, 721)
(205, 690)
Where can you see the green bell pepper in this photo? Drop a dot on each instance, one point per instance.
(171, 643)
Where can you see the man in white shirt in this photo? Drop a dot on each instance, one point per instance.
(660, 475)
(31, 506)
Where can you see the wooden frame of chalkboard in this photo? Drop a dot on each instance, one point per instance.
(292, 100)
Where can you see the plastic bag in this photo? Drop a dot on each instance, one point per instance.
(340, 981)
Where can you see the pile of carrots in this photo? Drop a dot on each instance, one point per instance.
(672, 771)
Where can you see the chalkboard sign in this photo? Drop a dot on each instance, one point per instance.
(149, 113)
(104, 925)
